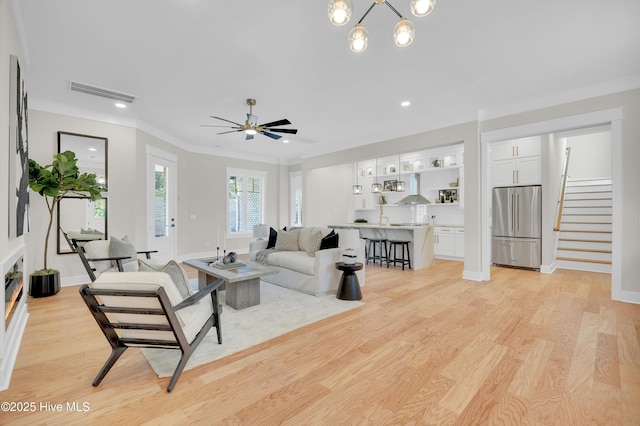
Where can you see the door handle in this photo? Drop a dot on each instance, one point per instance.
(173, 223)
(517, 213)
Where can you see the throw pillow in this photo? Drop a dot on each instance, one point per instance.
(287, 241)
(273, 236)
(122, 248)
(175, 271)
(330, 241)
(314, 243)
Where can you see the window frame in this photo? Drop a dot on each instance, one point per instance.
(245, 173)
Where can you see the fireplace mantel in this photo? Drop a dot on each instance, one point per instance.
(11, 333)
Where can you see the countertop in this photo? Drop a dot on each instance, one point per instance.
(385, 226)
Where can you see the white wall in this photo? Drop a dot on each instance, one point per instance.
(552, 158)
(122, 195)
(590, 156)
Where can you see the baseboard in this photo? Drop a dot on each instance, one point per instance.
(626, 296)
(472, 275)
(75, 280)
(548, 269)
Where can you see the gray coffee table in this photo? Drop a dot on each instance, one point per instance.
(242, 283)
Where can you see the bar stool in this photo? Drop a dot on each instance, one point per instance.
(366, 247)
(404, 260)
(377, 245)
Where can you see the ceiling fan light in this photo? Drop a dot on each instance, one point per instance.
(422, 7)
(250, 131)
(403, 33)
(358, 38)
(339, 12)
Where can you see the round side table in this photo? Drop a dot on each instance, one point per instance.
(349, 288)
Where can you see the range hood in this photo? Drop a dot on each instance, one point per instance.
(414, 196)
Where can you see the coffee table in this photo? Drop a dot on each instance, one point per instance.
(242, 283)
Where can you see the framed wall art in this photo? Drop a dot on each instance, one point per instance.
(18, 153)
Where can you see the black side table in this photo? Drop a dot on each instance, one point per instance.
(349, 288)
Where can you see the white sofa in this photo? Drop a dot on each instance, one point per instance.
(316, 275)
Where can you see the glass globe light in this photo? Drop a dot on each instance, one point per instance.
(358, 38)
(422, 7)
(339, 12)
(404, 32)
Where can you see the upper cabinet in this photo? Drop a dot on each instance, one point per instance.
(517, 162)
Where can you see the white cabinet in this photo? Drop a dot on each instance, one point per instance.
(517, 148)
(444, 243)
(516, 162)
(458, 250)
(448, 241)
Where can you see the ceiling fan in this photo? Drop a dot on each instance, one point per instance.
(251, 126)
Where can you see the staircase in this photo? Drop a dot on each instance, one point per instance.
(585, 229)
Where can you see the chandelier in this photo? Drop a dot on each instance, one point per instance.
(339, 12)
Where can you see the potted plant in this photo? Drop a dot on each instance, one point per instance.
(53, 182)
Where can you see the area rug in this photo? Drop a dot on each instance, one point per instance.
(280, 310)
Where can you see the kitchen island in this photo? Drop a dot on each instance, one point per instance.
(420, 238)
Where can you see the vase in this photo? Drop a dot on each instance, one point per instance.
(44, 285)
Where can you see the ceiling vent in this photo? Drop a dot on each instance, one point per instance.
(100, 91)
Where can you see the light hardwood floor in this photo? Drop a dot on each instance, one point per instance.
(426, 348)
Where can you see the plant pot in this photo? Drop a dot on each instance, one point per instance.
(44, 285)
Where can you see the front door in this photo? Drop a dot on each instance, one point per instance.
(161, 205)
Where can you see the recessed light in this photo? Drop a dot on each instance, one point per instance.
(120, 105)
(92, 149)
(405, 103)
(285, 140)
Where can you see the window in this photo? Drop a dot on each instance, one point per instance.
(246, 200)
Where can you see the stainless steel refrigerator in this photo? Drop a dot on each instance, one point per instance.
(517, 226)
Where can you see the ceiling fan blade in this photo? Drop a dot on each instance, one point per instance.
(224, 119)
(230, 131)
(249, 137)
(253, 119)
(282, 122)
(271, 135)
(292, 131)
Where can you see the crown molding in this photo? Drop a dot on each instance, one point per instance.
(71, 111)
(558, 98)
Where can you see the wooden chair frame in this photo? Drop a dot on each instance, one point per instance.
(86, 261)
(119, 344)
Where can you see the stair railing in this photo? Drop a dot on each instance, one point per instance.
(563, 186)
